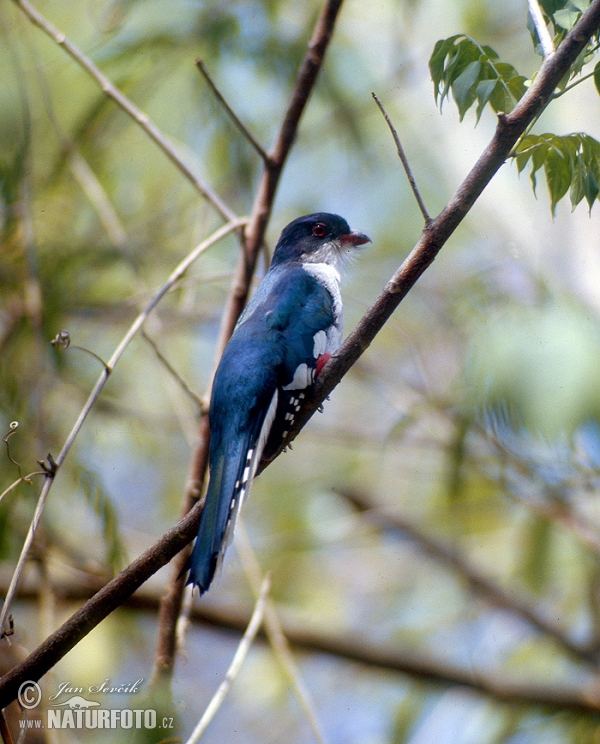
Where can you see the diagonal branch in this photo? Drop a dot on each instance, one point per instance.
(477, 581)
(265, 194)
(404, 161)
(230, 112)
(275, 634)
(127, 106)
(236, 663)
(431, 241)
(105, 601)
(537, 17)
(438, 231)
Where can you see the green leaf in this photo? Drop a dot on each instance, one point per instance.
(462, 89)
(558, 176)
(539, 154)
(597, 76)
(571, 163)
(483, 92)
(437, 60)
(517, 87)
(577, 191)
(566, 18)
(591, 189)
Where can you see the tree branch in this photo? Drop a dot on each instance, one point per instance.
(127, 106)
(355, 648)
(478, 582)
(438, 231)
(404, 161)
(265, 194)
(236, 663)
(540, 26)
(111, 596)
(93, 397)
(230, 112)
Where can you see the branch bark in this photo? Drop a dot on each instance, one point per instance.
(111, 596)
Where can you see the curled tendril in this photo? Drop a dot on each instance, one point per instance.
(62, 340)
(13, 430)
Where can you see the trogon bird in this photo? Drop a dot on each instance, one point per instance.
(287, 332)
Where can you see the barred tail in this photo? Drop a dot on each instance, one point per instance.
(231, 475)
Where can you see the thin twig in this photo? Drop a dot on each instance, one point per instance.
(537, 17)
(404, 161)
(22, 479)
(127, 106)
(79, 166)
(184, 618)
(574, 84)
(231, 113)
(267, 187)
(236, 663)
(166, 643)
(4, 730)
(198, 400)
(98, 198)
(275, 634)
(93, 396)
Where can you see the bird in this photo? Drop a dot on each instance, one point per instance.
(282, 340)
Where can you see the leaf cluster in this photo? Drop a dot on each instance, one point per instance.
(474, 74)
(571, 164)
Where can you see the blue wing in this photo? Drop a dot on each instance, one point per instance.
(272, 354)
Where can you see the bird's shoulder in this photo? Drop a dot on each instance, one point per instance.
(292, 294)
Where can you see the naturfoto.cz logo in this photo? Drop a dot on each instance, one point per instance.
(78, 712)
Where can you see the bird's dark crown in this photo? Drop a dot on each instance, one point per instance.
(303, 237)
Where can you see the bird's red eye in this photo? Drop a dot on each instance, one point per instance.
(319, 230)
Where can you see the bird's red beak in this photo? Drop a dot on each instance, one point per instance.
(355, 238)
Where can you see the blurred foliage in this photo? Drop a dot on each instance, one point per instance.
(475, 415)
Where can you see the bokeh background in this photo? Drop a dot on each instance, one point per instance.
(472, 420)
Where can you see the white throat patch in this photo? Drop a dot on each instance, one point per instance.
(329, 277)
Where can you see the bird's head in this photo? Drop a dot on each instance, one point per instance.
(317, 238)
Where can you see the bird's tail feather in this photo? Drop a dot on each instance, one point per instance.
(230, 479)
